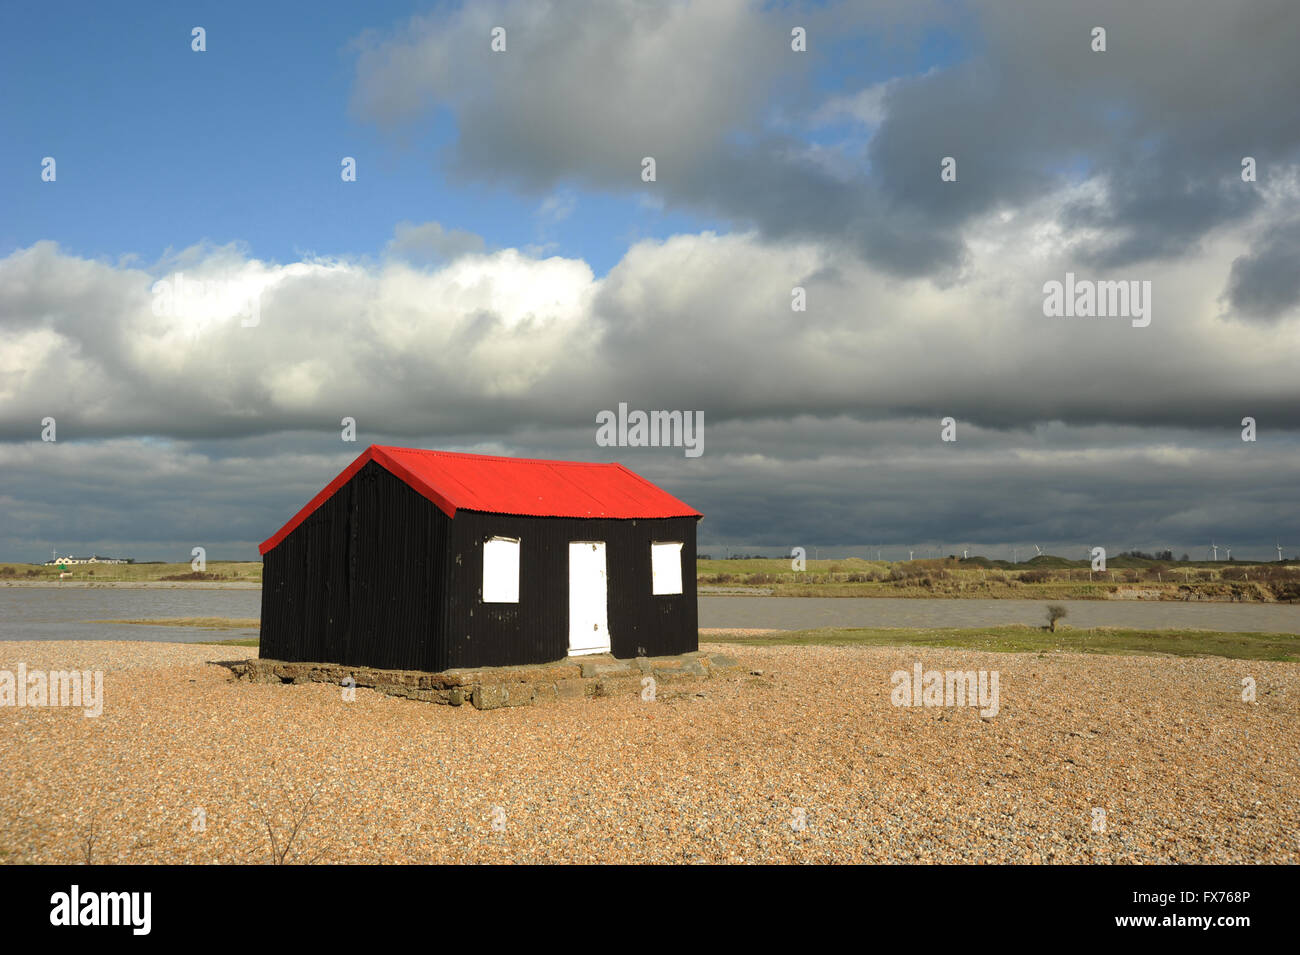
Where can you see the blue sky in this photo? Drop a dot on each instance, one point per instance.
(160, 147)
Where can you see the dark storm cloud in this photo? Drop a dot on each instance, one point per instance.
(834, 484)
(584, 92)
(1265, 282)
(1160, 120)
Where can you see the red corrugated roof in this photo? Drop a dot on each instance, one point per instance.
(531, 488)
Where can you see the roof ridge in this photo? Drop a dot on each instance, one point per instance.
(497, 457)
(541, 488)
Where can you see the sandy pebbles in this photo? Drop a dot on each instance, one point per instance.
(808, 762)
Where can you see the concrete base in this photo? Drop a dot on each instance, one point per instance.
(487, 688)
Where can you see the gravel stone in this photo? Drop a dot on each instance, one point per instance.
(807, 762)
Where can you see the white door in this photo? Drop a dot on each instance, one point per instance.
(588, 620)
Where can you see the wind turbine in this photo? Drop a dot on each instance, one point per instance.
(910, 553)
(1215, 547)
(1039, 549)
(1229, 553)
(1279, 551)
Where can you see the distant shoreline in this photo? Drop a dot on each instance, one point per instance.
(1133, 596)
(134, 584)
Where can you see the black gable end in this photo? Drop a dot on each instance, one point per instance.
(360, 581)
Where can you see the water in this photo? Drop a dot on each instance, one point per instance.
(801, 613)
(66, 613)
(46, 613)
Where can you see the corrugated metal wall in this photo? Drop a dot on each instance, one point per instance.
(536, 630)
(362, 581)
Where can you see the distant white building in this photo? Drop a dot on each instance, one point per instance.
(93, 559)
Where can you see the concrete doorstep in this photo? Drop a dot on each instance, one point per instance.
(488, 688)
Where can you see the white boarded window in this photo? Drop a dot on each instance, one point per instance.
(501, 570)
(666, 568)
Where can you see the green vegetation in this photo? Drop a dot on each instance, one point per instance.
(218, 571)
(1043, 578)
(205, 623)
(240, 642)
(1021, 639)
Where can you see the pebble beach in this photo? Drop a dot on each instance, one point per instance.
(802, 757)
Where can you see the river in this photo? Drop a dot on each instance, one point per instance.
(70, 613)
(59, 613)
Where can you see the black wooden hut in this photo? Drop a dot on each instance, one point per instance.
(428, 560)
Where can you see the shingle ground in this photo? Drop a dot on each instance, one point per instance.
(724, 772)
